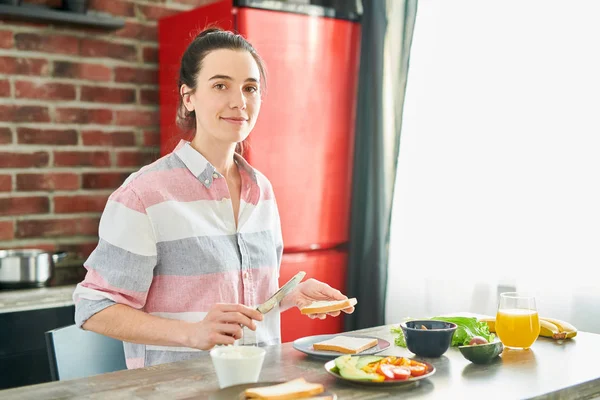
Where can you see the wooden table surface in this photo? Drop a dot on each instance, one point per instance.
(550, 370)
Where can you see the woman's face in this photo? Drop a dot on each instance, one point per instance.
(227, 96)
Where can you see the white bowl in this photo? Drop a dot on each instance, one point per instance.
(235, 365)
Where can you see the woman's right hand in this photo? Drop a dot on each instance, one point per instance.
(222, 325)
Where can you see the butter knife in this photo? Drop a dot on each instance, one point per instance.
(249, 337)
(276, 298)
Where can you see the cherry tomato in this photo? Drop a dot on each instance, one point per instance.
(401, 373)
(386, 370)
(417, 370)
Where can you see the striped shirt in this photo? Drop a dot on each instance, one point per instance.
(168, 245)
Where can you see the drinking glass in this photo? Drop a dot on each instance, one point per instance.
(517, 320)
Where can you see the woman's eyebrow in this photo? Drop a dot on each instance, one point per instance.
(226, 77)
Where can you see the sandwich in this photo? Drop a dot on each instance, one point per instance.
(294, 389)
(346, 344)
(322, 307)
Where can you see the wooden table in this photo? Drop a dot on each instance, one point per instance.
(550, 370)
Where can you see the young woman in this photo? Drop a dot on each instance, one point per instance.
(190, 244)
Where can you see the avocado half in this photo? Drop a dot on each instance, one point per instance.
(349, 367)
(482, 353)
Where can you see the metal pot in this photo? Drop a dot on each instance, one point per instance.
(27, 267)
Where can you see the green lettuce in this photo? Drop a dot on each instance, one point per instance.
(466, 329)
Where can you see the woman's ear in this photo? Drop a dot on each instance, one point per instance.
(185, 93)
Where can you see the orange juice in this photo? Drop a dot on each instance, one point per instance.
(517, 327)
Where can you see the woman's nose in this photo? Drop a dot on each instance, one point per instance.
(238, 100)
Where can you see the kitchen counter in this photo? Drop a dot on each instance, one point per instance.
(35, 299)
(550, 370)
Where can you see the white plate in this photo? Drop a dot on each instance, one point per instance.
(305, 345)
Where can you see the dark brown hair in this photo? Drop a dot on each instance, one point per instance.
(208, 40)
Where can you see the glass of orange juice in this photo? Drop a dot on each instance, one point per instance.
(517, 320)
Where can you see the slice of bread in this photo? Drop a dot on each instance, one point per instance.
(321, 307)
(294, 389)
(346, 344)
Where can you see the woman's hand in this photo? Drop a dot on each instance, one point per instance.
(222, 325)
(313, 290)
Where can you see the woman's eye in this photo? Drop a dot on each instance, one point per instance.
(252, 89)
(220, 86)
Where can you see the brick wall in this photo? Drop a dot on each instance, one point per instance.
(78, 114)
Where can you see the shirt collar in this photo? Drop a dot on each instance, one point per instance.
(202, 169)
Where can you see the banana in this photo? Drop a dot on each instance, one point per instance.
(550, 330)
(564, 327)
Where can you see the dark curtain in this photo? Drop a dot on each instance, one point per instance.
(387, 30)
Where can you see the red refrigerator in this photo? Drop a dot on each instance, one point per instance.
(304, 137)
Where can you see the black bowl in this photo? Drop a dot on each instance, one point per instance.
(430, 342)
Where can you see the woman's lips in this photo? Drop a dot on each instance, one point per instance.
(235, 121)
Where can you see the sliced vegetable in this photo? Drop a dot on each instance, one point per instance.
(416, 363)
(401, 373)
(378, 368)
(403, 362)
(389, 360)
(386, 370)
(417, 370)
(365, 360)
(370, 368)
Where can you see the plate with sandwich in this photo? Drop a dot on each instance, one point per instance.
(379, 371)
(297, 388)
(335, 345)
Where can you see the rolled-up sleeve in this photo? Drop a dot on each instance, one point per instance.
(120, 269)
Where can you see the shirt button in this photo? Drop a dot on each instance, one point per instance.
(215, 175)
(245, 274)
(206, 181)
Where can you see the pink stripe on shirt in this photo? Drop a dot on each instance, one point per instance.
(124, 196)
(193, 293)
(177, 185)
(95, 281)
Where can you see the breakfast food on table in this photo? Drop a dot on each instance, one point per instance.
(549, 327)
(467, 328)
(431, 342)
(477, 340)
(346, 344)
(557, 329)
(294, 389)
(484, 353)
(378, 369)
(322, 307)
